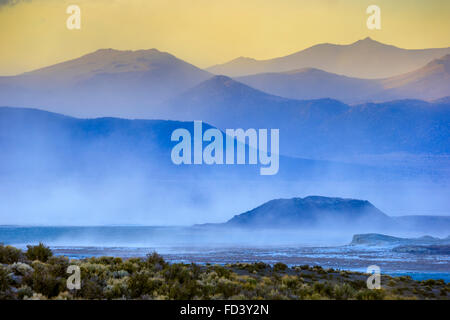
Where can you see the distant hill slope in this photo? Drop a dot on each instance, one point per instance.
(319, 213)
(40, 142)
(365, 58)
(313, 211)
(310, 83)
(375, 239)
(57, 169)
(138, 84)
(324, 127)
(105, 82)
(430, 82)
(66, 168)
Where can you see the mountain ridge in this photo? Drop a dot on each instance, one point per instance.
(106, 82)
(365, 58)
(429, 82)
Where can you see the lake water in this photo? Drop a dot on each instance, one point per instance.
(186, 244)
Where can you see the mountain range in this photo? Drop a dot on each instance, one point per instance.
(66, 168)
(323, 127)
(105, 82)
(365, 58)
(69, 161)
(38, 143)
(429, 82)
(140, 84)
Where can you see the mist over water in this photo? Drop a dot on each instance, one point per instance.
(137, 199)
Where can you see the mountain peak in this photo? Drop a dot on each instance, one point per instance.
(224, 86)
(220, 81)
(367, 41)
(110, 61)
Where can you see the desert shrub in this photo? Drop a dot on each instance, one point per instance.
(22, 269)
(404, 278)
(97, 270)
(227, 288)
(392, 283)
(58, 266)
(91, 288)
(324, 289)
(120, 274)
(42, 281)
(261, 266)
(304, 267)
(177, 272)
(5, 280)
(155, 260)
(24, 292)
(9, 254)
(184, 291)
(368, 294)
(131, 266)
(105, 260)
(279, 267)
(304, 291)
(358, 284)
(222, 272)
(319, 270)
(429, 282)
(343, 292)
(142, 283)
(39, 252)
(116, 288)
(440, 282)
(291, 282)
(196, 270)
(344, 274)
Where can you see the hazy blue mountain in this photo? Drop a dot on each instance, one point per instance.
(430, 82)
(139, 84)
(56, 169)
(310, 83)
(35, 141)
(105, 82)
(331, 213)
(323, 127)
(365, 58)
(312, 211)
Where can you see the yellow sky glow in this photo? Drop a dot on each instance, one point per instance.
(33, 33)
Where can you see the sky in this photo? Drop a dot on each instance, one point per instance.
(33, 33)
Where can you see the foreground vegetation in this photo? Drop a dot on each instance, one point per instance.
(37, 274)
